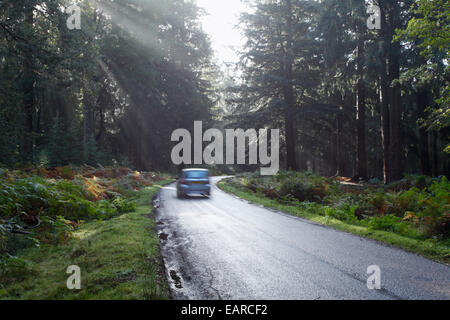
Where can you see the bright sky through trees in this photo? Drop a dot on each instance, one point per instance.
(219, 22)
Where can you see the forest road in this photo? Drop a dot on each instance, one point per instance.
(226, 248)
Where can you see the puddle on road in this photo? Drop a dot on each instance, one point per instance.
(163, 236)
(176, 279)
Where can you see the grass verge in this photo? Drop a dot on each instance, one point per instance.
(118, 258)
(428, 248)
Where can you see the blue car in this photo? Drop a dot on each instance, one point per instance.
(194, 181)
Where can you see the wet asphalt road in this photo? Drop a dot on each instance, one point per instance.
(225, 248)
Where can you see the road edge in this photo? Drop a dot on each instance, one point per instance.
(362, 232)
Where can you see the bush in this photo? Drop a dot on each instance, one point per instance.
(38, 197)
(13, 269)
(59, 200)
(123, 205)
(54, 230)
(304, 187)
(436, 209)
(3, 238)
(416, 206)
(385, 223)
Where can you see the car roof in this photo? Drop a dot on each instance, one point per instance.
(187, 170)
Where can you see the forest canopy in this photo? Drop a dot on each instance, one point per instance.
(353, 100)
(115, 89)
(350, 100)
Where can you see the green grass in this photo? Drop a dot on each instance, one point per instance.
(119, 259)
(431, 248)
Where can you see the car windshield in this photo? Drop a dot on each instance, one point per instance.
(196, 174)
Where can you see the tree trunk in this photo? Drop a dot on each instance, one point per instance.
(289, 96)
(101, 126)
(333, 154)
(88, 123)
(395, 98)
(435, 154)
(290, 141)
(303, 161)
(396, 114)
(361, 156)
(384, 100)
(102, 101)
(424, 154)
(28, 92)
(385, 126)
(339, 150)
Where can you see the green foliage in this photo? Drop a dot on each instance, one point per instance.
(417, 207)
(91, 155)
(129, 241)
(436, 209)
(386, 223)
(429, 31)
(13, 269)
(57, 148)
(301, 186)
(347, 214)
(430, 25)
(53, 230)
(3, 237)
(305, 188)
(35, 196)
(124, 205)
(60, 199)
(64, 147)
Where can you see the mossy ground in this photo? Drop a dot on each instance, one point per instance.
(119, 259)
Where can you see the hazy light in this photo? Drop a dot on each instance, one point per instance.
(220, 24)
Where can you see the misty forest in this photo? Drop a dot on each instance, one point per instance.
(87, 114)
(350, 101)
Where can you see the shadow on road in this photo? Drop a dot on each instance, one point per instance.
(194, 197)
